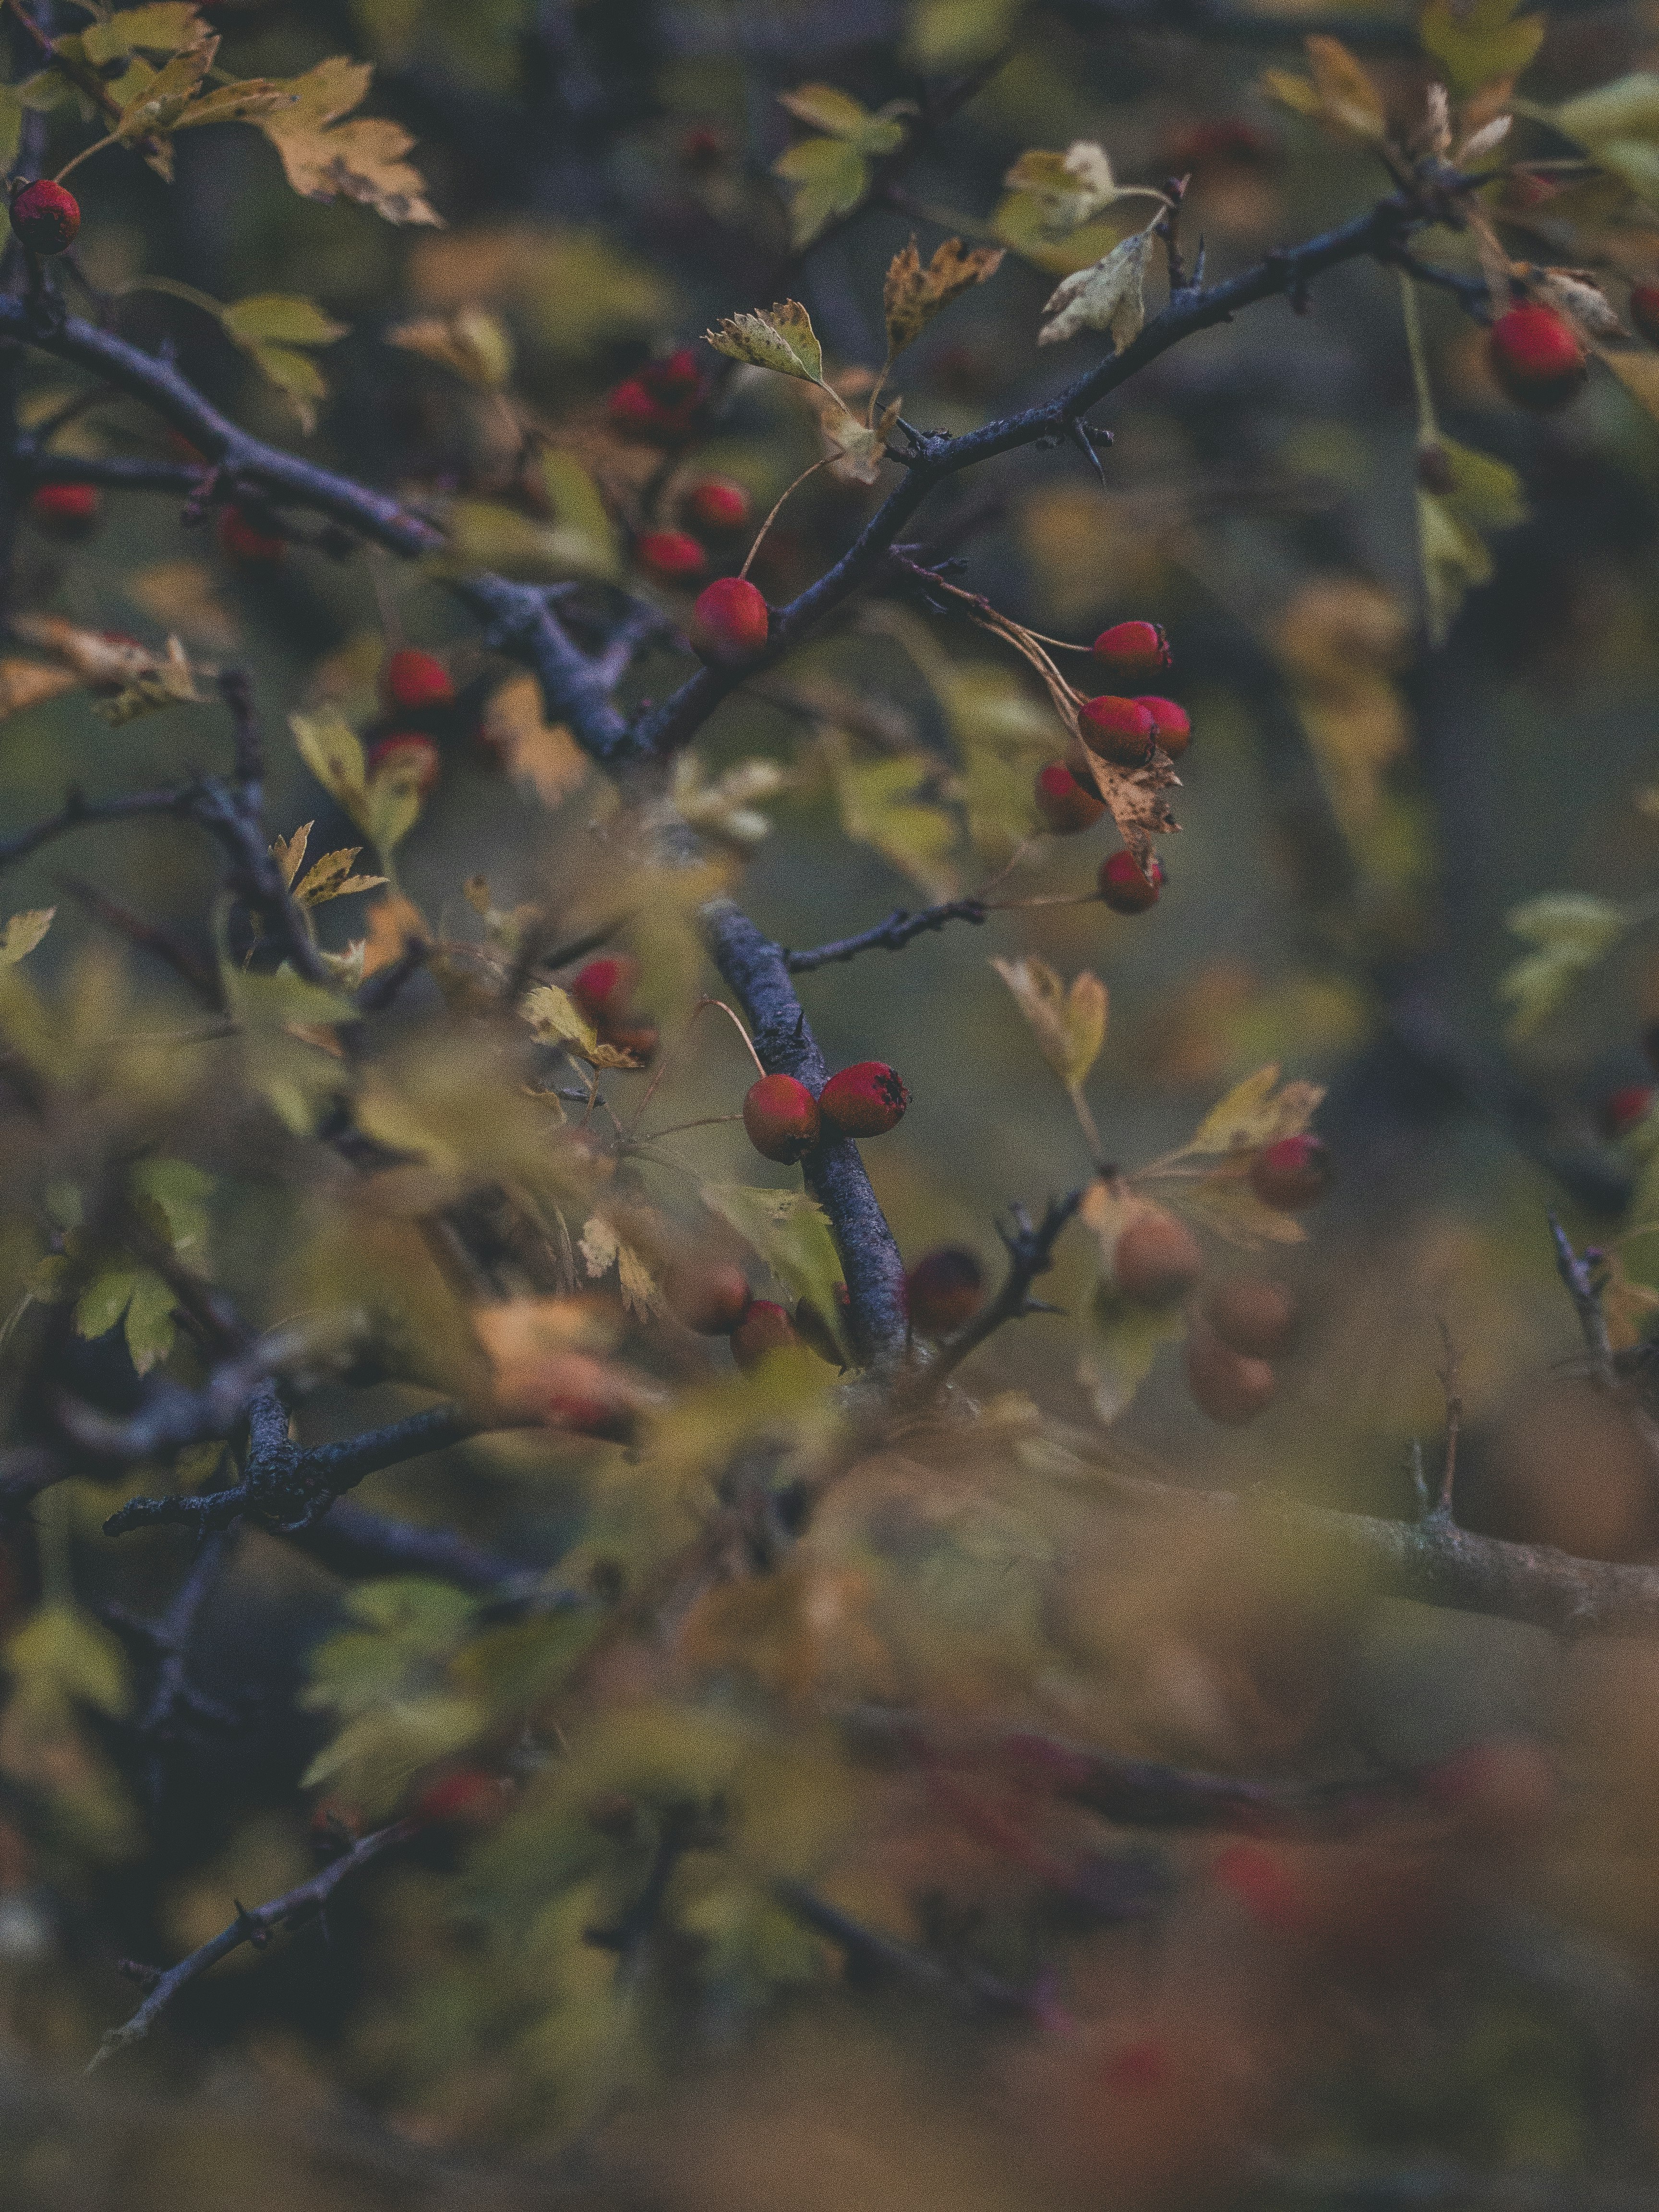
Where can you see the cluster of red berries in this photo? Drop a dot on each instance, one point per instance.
(1535, 353)
(65, 510)
(418, 695)
(1126, 731)
(603, 991)
(1240, 1326)
(660, 401)
(714, 1298)
(785, 1122)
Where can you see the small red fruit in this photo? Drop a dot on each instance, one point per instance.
(633, 410)
(865, 1100)
(247, 543)
(711, 1299)
(765, 1327)
(672, 555)
(412, 680)
(1645, 311)
(1253, 1315)
(1064, 804)
(46, 217)
(945, 1288)
(65, 510)
(718, 504)
(603, 988)
(468, 1798)
(1124, 886)
(1291, 1174)
(1267, 1888)
(1621, 1110)
(1171, 725)
(1119, 728)
(1225, 1384)
(1133, 650)
(676, 377)
(1535, 357)
(729, 621)
(781, 1116)
(409, 757)
(1157, 1259)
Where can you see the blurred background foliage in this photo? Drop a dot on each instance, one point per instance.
(1361, 813)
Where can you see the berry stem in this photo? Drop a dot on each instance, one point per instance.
(760, 534)
(678, 1046)
(86, 155)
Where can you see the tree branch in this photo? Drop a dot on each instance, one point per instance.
(900, 929)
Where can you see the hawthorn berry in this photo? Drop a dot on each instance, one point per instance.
(1121, 729)
(1291, 1174)
(671, 554)
(1645, 311)
(1133, 650)
(1064, 804)
(1124, 886)
(468, 1797)
(718, 503)
(65, 510)
(410, 756)
(1252, 1314)
(634, 411)
(865, 1100)
(711, 1299)
(729, 621)
(945, 1288)
(1536, 357)
(1621, 1110)
(765, 1327)
(603, 988)
(586, 1400)
(782, 1119)
(412, 680)
(45, 216)
(246, 543)
(1172, 725)
(1156, 1259)
(1227, 1385)
(660, 400)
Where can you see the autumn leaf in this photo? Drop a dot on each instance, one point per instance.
(22, 933)
(555, 1018)
(1338, 90)
(782, 339)
(331, 877)
(913, 295)
(1069, 1023)
(1256, 1112)
(1107, 296)
(271, 328)
(289, 853)
(1481, 42)
(859, 447)
(1569, 932)
(827, 175)
(1068, 188)
(470, 342)
(326, 158)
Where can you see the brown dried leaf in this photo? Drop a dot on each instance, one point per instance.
(326, 159)
(913, 295)
(1069, 1023)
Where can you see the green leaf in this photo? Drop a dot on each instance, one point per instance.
(827, 177)
(179, 1193)
(880, 808)
(285, 317)
(952, 34)
(1572, 931)
(64, 1654)
(582, 522)
(164, 27)
(790, 1232)
(11, 125)
(106, 1298)
(1477, 44)
(828, 109)
(555, 1018)
(150, 1329)
(333, 752)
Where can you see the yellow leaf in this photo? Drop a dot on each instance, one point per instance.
(472, 344)
(395, 923)
(331, 751)
(913, 295)
(1108, 295)
(1068, 188)
(1346, 96)
(1256, 1112)
(782, 339)
(1481, 41)
(823, 107)
(325, 158)
(22, 934)
(289, 852)
(555, 1018)
(880, 808)
(545, 756)
(1069, 1024)
(791, 1233)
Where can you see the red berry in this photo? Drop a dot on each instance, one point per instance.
(781, 1116)
(675, 379)
(1252, 1315)
(765, 1327)
(1536, 358)
(586, 1400)
(1119, 728)
(711, 1299)
(945, 1288)
(1225, 1384)
(718, 504)
(729, 621)
(1291, 1174)
(603, 988)
(1260, 1878)
(702, 148)
(1157, 1259)
(671, 554)
(1621, 1110)
(865, 1100)
(1171, 725)
(66, 510)
(635, 412)
(467, 1798)
(408, 756)
(46, 217)
(1125, 888)
(245, 542)
(1064, 804)
(412, 679)
(1133, 650)
(1645, 311)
